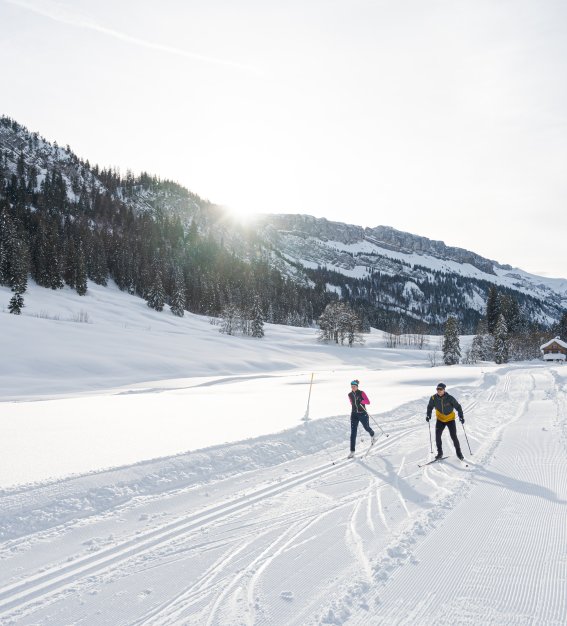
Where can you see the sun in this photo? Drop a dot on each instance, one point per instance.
(243, 213)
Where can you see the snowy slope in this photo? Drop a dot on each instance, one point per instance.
(154, 471)
(271, 531)
(130, 375)
(359, 253)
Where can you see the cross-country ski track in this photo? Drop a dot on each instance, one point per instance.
(308, 537)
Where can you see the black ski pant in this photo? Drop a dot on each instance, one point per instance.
(354, 419)
(452, 426)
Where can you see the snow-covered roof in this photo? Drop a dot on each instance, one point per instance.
(557, 340)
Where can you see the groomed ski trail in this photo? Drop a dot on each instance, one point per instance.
(305, 542)
(499, 556)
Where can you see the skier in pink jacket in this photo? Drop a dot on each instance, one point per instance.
(358, 400)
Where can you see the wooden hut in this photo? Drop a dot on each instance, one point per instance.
(554, 350)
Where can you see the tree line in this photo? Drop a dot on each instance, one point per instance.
(504, 334)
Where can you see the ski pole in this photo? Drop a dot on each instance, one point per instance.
(430, 442)
(380, 427)
(468, 444)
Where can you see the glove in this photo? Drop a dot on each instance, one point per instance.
(427, 418)
(462, 420)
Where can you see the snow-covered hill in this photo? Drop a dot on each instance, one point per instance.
(398, 277)
(107, 363)
(357, 252)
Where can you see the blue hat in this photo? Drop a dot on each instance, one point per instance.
(354, 382)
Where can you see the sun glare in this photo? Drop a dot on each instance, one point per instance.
(242, 213)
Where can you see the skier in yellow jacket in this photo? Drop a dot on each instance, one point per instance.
(445, 406)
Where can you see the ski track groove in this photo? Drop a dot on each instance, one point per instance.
(267, 556)
(18, 594)
(173, 609)
(369, 502)
(381, 510)
(354, 540)
(195, 591)
(269, 561)
(236, 580)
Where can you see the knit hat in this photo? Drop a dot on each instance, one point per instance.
(441, 385)
(354, 382)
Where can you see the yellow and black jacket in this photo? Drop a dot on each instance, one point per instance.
(445, 406)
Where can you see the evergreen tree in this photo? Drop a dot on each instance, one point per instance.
(7, 235)
(178, 296)
(492, 309)
(70, 261)
(511, 311)
(80, 270)
(501, 341)
(14, 261)
(475, 354)
(483, 343)
(562, 329)
(47, 256)
(270, 316)
(257, 326)
(16, 304)
(293, 318)
(75, 271)
(19, 268)
(97, 262)
(156, 295)
(451, 343)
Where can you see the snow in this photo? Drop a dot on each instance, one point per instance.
(155, 471)
(413, 259)
(530, 284)
(554, 356)
(475, 301)
(152, 379)
(412, 290)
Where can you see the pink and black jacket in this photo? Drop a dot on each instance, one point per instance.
(357, 401)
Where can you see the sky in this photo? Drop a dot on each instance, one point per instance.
(443, 118)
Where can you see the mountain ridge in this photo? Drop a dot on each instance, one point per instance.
(393, 272)
(385, 236)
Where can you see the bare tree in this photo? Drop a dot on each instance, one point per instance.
(339, 323)
(230, 320)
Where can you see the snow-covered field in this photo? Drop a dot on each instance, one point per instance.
(154, 471)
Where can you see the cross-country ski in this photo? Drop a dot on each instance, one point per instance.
(433, 461)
